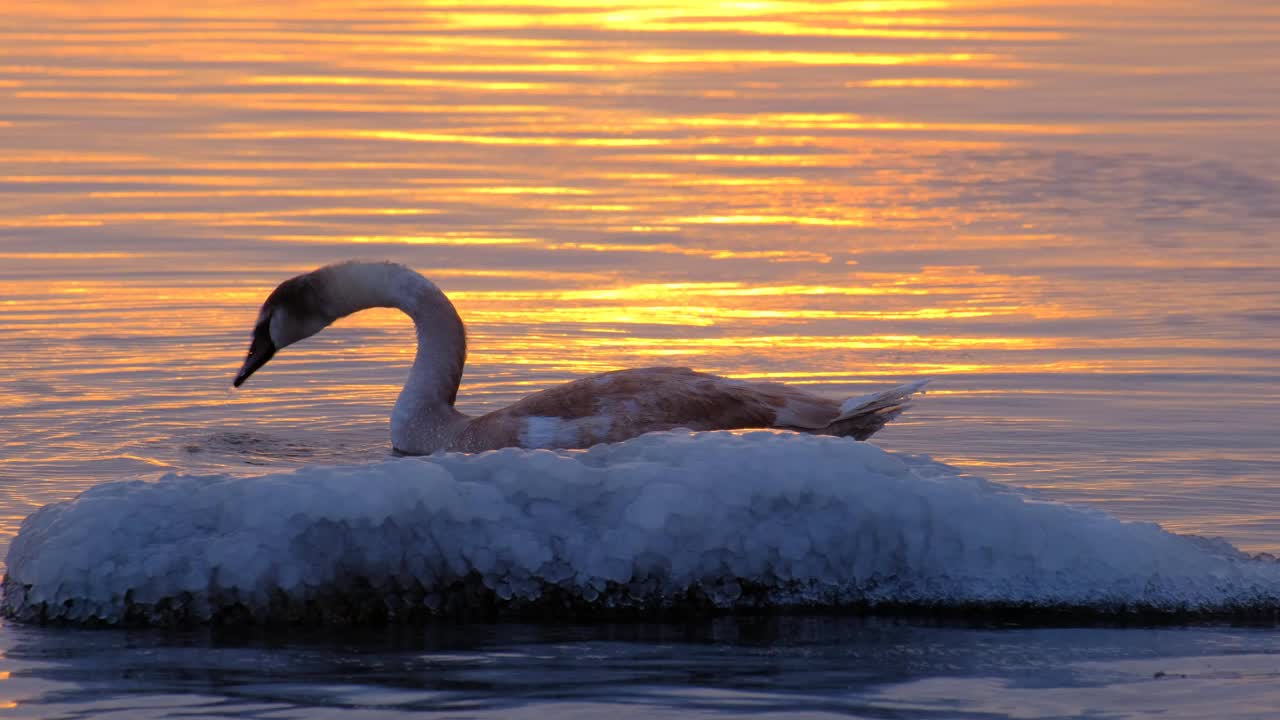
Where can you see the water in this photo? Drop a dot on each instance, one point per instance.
(1066, 215)
(781, 668)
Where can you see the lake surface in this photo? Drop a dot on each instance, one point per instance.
(1066, 215)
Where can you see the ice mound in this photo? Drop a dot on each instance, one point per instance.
(716, 520)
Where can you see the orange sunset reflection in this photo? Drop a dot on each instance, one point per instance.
(832, 193)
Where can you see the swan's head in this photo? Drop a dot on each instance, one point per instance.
(294, 311)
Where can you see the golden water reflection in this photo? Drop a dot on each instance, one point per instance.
(831, 193)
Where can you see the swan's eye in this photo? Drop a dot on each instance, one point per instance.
(262, 332)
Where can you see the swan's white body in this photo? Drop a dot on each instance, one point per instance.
(609, 407)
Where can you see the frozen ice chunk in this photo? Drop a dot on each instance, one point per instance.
(747, 520)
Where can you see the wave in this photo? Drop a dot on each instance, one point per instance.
(711, 521)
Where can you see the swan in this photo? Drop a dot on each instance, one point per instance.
(608, 407)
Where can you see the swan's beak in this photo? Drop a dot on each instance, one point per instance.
(261, 349)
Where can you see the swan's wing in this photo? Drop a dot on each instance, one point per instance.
(618, 405)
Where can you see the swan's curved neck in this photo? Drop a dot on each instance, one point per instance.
(423, 419)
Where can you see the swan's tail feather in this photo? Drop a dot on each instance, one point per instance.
(861, 417)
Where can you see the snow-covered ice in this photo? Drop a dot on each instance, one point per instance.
(722, 519)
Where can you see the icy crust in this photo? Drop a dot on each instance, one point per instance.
(716, 520)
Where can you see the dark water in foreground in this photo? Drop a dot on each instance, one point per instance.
(777, 667)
